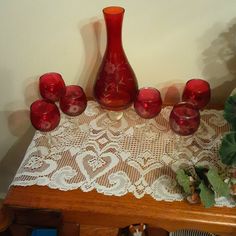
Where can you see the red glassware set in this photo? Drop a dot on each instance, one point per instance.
(44, 113)
(116, 88)
(185, 116)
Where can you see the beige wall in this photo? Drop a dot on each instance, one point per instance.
(167, 42)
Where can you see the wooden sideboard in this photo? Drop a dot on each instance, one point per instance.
(91, 213)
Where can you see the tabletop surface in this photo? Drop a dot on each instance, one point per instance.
(96, 208)
(92, 152)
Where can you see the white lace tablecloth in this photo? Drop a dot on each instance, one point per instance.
(114, 157)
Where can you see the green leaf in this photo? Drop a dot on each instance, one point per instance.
(201, 173)
(230, 111)
(233, 180)
(227, 149)
(207, 195)
(219, 186)
(183, 180)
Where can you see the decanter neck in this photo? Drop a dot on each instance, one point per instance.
(114, 18)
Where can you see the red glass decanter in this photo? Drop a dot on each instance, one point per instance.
(116, 85)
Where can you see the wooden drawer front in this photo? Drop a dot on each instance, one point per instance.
(37, 218)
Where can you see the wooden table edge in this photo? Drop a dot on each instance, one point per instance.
(122, 211)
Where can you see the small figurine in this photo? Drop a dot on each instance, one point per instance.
(137, 230)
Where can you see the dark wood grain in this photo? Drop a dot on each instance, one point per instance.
(5, 217)
(93, 208)
(88, 230)
(68, 229)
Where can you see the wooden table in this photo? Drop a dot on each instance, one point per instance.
(97, 214)
(79, 213)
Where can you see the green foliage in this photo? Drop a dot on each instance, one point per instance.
(201, 173)
(207, 195)
(207, 182)
(227, 149)
(230, 111)
(218, 185)
(233, 180)
(183, 180)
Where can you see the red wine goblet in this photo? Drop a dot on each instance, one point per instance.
(44, 115)
(184, 120)
(52, 86)
(74, 101)
(148, 104)
(198, 92)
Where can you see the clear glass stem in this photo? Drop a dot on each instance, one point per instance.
(147, 131)
(49, 138)
(178, 143)
(115, 115)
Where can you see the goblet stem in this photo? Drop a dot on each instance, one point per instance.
(178, 143)
(49, 138)
(115, 115)
(174, 146)
(73, 122)
(147, 131)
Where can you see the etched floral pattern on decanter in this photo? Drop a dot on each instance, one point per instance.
(116, 85)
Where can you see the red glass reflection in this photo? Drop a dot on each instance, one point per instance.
(51, 86)
(74, 101)
(44, 115)
(184, 118)
(198, 92)
(148, 103)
